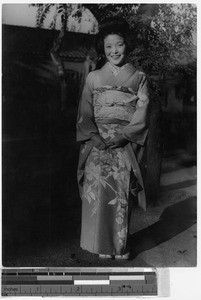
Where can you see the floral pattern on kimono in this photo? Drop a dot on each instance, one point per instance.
(108, 172)
(109, 106)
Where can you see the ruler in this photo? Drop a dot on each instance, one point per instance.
(78, 282)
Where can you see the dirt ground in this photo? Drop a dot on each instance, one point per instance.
(163, 236)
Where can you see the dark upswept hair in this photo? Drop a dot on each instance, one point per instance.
(114, 25)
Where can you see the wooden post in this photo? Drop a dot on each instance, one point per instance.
(154, 151)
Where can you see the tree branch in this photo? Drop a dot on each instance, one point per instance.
(54, 52)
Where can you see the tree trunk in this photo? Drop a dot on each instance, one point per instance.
(54, 52)
(152, 158)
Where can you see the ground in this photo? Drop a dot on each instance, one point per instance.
(163, 236)
(41, 207)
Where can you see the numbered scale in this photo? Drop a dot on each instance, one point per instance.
(79, 282)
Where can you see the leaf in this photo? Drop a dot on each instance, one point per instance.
(89, 176)
(92, 196)
(103, 182)
(119, 220)
(95, 154)
(83, 149)
(88, 189)
(115, 175)
(95, 183)
(105, 135)
(113, 202)
(80, 120)
(115, 169)
(123, 201)
(88, 198)
(122, 234)
(94, 210)
(119, 207)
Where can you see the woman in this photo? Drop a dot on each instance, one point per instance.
(111, 125)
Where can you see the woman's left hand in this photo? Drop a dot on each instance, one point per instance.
(117, 142)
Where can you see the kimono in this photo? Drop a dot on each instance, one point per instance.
(110, 105)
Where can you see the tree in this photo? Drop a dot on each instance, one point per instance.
(61, 10)
(61, 13)
(165, 44)
(169, 38)
(164, 31)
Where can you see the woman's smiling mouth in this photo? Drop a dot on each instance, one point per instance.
(115, 56)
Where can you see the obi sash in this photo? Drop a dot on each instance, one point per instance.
(114, 103)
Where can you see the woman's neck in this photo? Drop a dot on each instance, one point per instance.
(115, 69)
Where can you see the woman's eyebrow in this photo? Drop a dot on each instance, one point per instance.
(119, 42)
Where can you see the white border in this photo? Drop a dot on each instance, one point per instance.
(184, 283)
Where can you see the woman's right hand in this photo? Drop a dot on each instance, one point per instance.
(98, 142)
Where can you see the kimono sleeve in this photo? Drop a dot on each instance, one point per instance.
(86, 126)
(136, 130)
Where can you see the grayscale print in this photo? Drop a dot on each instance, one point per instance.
(99, 135)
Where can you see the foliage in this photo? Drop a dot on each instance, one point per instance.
(175, 25)
(61, 14)
(165, 40)
(62, 11)
(101, 11)
(163, 32)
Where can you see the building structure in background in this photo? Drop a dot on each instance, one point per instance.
(26, 51)
(38, 139)
(35, 125)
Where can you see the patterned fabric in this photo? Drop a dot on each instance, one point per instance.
(115, 69)
(114, 103)
(110, 105)
(106, 189)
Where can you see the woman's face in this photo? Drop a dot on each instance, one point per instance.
(115, 49)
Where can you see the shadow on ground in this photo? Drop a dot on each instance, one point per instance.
(175, 219)
(56, 243)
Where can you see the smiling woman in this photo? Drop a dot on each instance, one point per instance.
(115, 49)
(112, 129)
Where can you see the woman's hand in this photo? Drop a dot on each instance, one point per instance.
(98, 142)
(117, 141)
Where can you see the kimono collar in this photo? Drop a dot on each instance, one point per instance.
(108, 78)
(115, 69)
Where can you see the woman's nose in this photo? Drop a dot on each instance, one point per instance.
(114, 49)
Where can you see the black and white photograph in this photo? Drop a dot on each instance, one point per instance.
(99, 126)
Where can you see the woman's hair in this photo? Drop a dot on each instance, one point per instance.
(113, 25)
